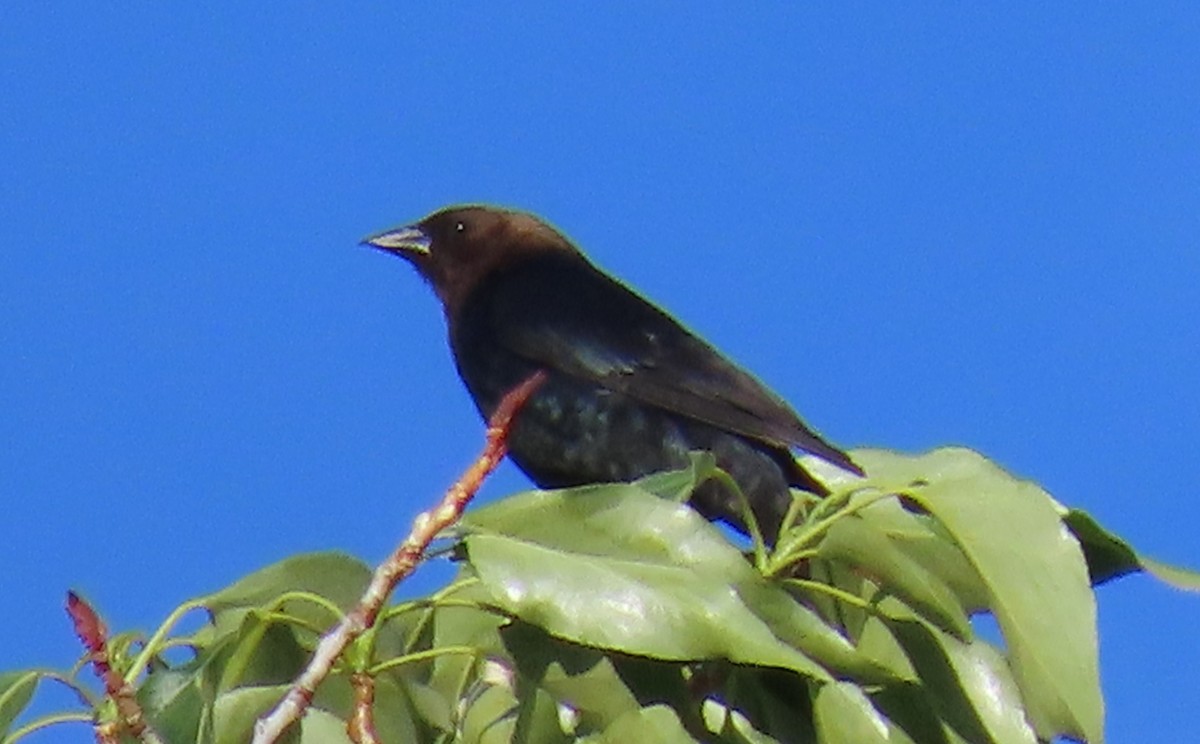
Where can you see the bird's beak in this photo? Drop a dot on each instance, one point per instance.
(409, 242)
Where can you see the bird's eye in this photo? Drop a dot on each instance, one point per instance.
(460, 227)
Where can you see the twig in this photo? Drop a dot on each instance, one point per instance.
(361, 727)
(94, 636)
(399, 565)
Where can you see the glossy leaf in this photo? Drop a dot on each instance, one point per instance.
(970, 683)
(615, 567)
(1033, 567)
(649, 609)
(611, 520)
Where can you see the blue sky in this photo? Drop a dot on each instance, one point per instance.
(922, 226)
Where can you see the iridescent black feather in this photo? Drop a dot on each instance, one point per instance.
(629, 392)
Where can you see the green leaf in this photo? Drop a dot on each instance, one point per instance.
(179, 701)
(430, 708)
(581, 677)
(970, 683)
(615, 567)
(490, 717)
(909, 709)
(1181, 578)
(1033, 567)
(1108, 557)
(755, 704)
(860, 544)
(877, 642)
(731, 725)
(265, 652)
(656, 724)
(322, 727)
(648, 609)
(844, 715)
(458, 625)
(395, 718)
(801, 628)
(537, 717)
(920, 537)
(660, 682)
(260, 655)
(236, 711)
(677, 485)
(337, 577)
(608, 520)
(16, 690)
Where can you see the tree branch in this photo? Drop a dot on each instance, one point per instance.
(398, 566)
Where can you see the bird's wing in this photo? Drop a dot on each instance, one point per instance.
(568, 316)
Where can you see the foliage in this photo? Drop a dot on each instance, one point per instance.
(614, 613)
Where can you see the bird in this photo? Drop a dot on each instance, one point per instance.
(628, 390)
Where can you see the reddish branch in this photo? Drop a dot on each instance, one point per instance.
(361, 727)
(94, 636)
(398, 566)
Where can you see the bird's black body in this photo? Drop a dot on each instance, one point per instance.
(629, 391)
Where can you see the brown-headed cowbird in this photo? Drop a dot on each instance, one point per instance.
(629, 391)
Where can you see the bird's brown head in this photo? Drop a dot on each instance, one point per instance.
(454, 248)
